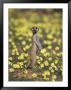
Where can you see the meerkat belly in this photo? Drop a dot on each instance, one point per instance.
(33, 51)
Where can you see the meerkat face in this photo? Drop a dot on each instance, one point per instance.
(34, 30)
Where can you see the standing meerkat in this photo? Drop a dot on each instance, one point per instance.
(35, 46)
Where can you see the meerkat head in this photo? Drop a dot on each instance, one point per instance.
(35, 29)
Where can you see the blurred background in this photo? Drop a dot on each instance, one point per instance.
(48, 65)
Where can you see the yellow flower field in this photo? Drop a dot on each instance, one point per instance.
(48, 65)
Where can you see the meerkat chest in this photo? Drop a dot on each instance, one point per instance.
(34, 46)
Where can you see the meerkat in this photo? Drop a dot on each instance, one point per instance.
(36, 45)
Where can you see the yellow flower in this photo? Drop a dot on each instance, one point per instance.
(59, 41)
(52, 71)
(43, 51)
(53, 32)
(20, 38)
(46, 63)
(50, 68)
(24, 48)
(13, 50)
(56, 61)
(10, 58)
(17, 53)
(61, 69)
(10, 63)
(16, 49)
(54, 40)
(49, 42)
(45, 42)
(48, 54)
(41, 65)
(45, 78)
(50, 58)
(34, 75)
(41, 58)
(29, 39)
(25, 61)
(54, 52)
(21, 56)
(45, 54)
(54, 77)
(23, 43)
(25, 54)
(20, 63)
(38, 61)
(21, 66)
(49, 47)
(52, 64)
(49, 36)
(61, 53)
(13, 43)
(10, 40)
(46, 73)
(56, 68)
(30, 34)
(37, 57)
(14, 46)
(25, 71)
(13, 53)
(58, 54)
(16, 66)
(57, 48)
(11, 70)
(10, 32)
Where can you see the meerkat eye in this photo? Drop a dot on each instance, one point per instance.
(37, 29)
